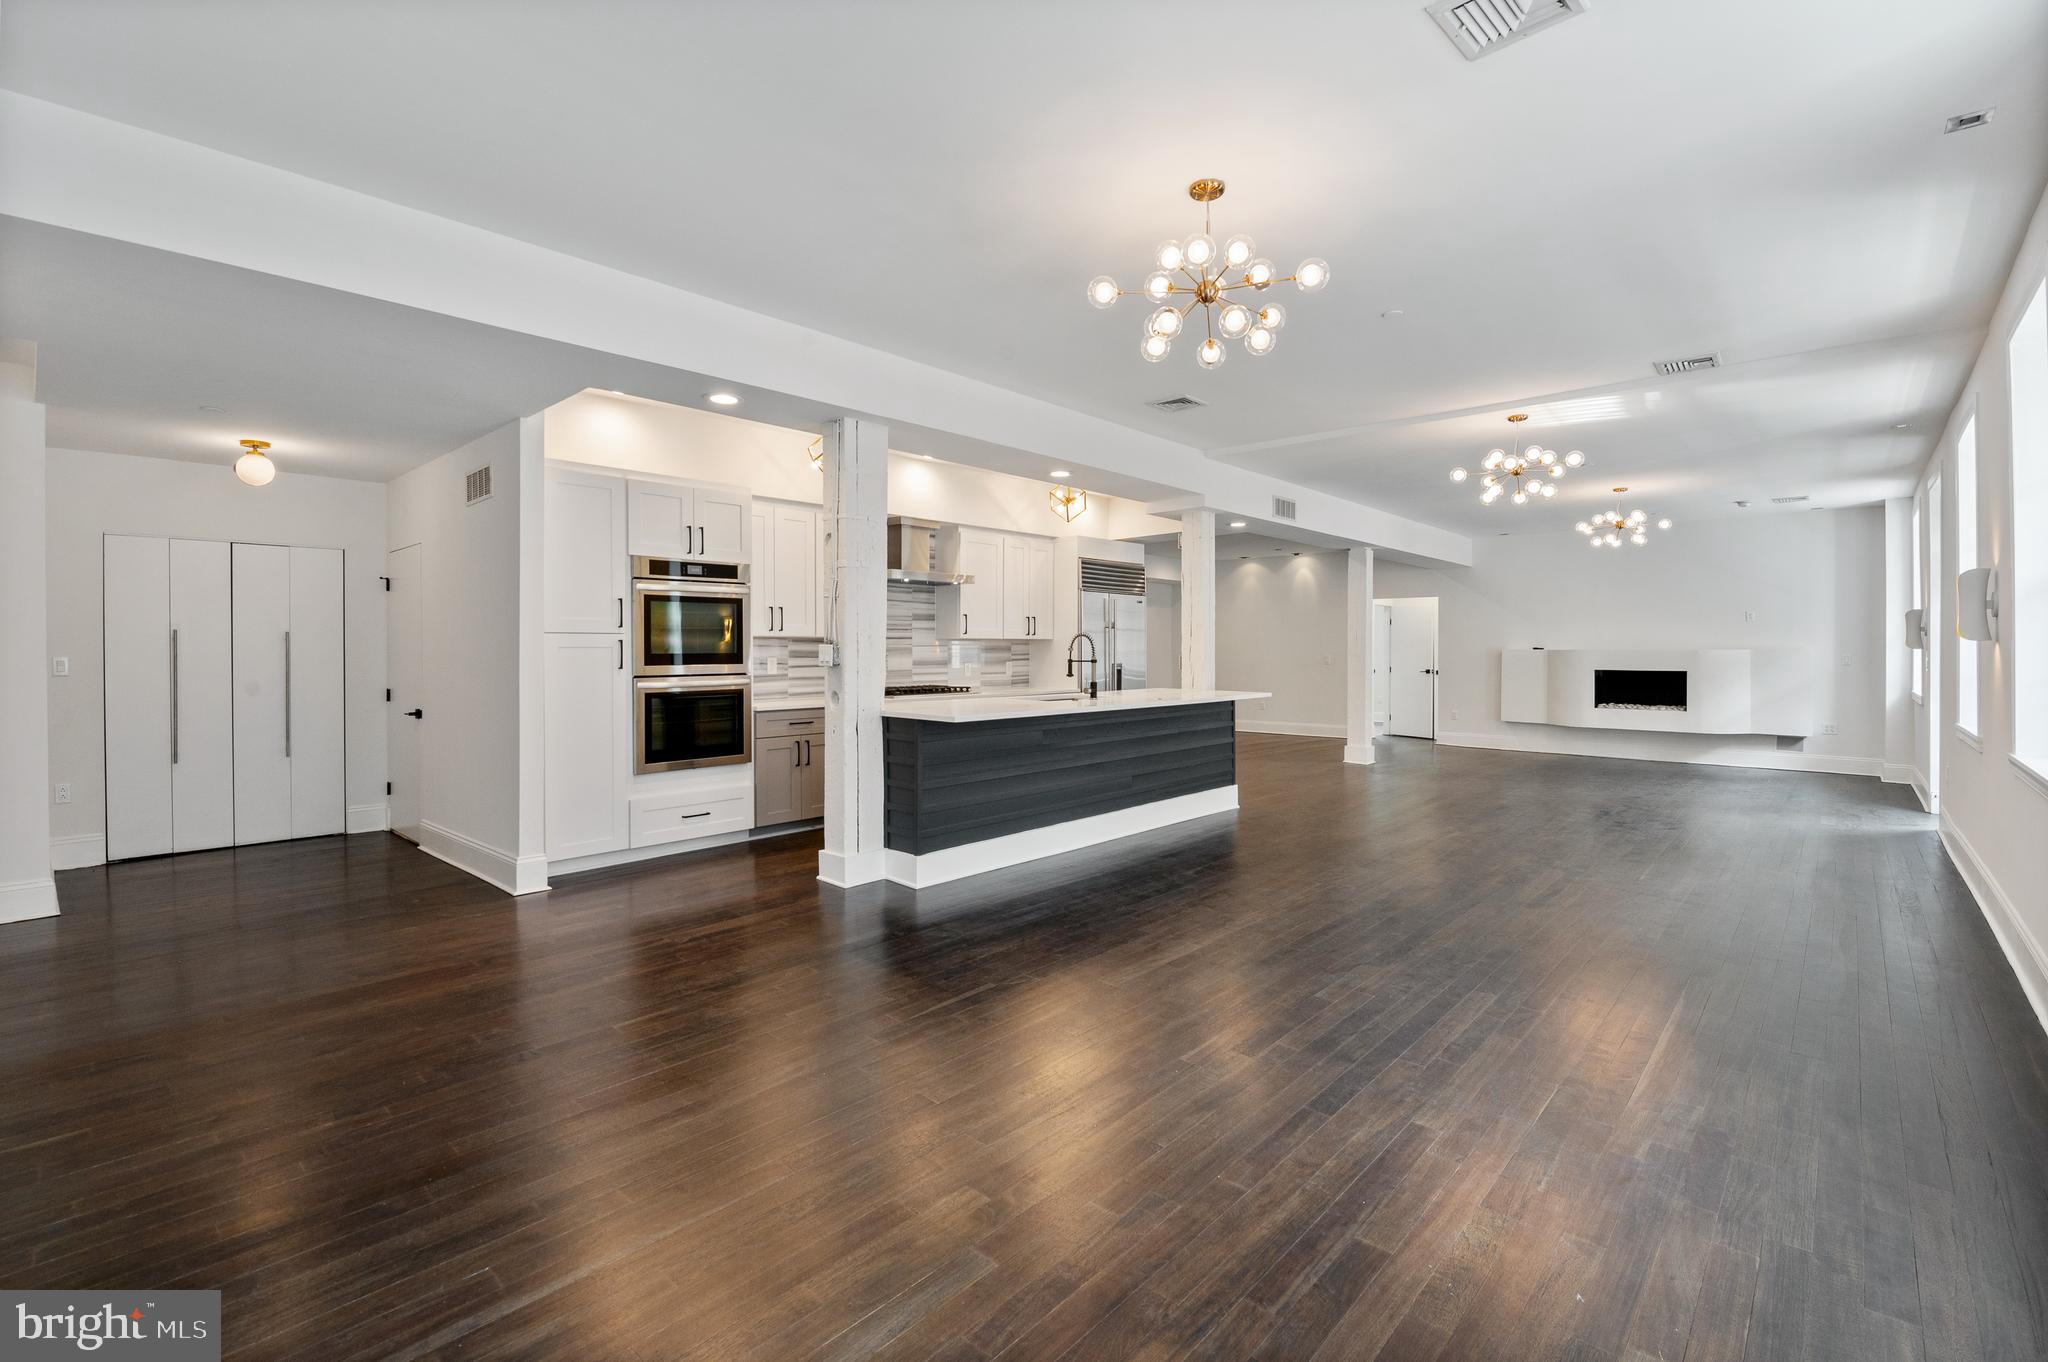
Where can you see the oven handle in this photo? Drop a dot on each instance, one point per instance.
(683, 586)
(654, 683)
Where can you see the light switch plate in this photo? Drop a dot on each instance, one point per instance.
(60, 666)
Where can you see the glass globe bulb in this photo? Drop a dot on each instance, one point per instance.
(1169, 255)
(1102, 290)
(1164, 322)
(1594, 541)
(1639, 538)
(255, 469)
(1574, 459)
(1155, 347)
(1549, 489)
(1583, 528)
(1235, 320)
(1210, 354)
(1199, 250)
(1459, 475)
(1521, 498)
(1272, 316)
(1158, 284)
(1311, 274)
(1665, 523)
(1615, 540)
(1238, 252)
(1496, 457)
(1489, 480)
(1259, 273)
(1535, 484)
(1259, 341)
(1549, 456)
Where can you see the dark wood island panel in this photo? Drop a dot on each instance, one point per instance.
(950, 784)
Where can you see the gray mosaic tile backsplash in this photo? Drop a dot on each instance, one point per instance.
(916, 654)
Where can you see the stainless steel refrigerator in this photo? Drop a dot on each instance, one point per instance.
(1113, 615)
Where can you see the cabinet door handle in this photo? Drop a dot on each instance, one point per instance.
(622, 612)
(174, 697)
(287, 692)
(705, 814)
(796, 755)
(622, 653)
(963, 621)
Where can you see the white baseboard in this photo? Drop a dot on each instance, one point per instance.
(369, 817)
(1919, 784)
(1297, 730)
(844, 871)
(1772, 760)
(76, 853)
(2029, 963)
(1897, 773)
(937, 867)
(605, 860)
(26, 900)
(513, 874)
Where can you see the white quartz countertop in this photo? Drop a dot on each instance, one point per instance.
(782, 702)
(971, 709)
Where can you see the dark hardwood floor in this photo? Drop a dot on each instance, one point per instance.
(1475, 1055)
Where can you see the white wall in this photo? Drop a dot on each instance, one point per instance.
(1899, 660)
(1813, 580)
(26, 890)
(92, 495)
(1280, 628)
(477, 754)
(1993, 820)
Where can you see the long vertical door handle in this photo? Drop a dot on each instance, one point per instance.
(810, 751)
(622, 612)
(287, 692)
(174, 697)
(796, 755)
(963, 621)
(622, 653)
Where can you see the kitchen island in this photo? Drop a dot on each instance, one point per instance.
(978, 782)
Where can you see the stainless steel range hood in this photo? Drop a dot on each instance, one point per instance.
(914, 554)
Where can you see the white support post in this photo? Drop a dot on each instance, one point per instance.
(1198, 600)
(26, 888)
(1358, 657)
(856, 558)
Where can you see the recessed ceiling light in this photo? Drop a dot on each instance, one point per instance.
(1900, 426)
(723, 399)
(929, 458)
(214, 411)
(1393, 312)
(1237, 524)
(1062, 473)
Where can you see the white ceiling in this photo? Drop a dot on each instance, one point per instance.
(1762, 178)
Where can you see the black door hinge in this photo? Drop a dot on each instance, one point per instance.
(387, 787)
(386, 581)
(387, 695)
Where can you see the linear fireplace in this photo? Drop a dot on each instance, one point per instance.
(1638, 689)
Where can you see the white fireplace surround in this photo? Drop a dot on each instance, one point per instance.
(1727, 690)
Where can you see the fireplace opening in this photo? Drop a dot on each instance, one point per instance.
(1638, 690)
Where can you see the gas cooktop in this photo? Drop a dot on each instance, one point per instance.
(927, 690)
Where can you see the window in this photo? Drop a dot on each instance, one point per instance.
(1966, 558)
(1919, 590)
(2023, 629)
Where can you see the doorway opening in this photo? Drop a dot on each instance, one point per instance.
(1410, 670)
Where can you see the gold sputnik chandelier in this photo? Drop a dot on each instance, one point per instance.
(1206, 274)
(1527, 471)
(1609, 528)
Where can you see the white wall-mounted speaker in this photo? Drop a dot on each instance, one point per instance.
(1977, 604)
(1916, 629)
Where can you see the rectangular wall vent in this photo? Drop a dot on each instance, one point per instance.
(1283, 508)
(1479, 27)
(1669, 367)
(1965, 122)
(1788, 501)
(477, 486)
(1178, 404)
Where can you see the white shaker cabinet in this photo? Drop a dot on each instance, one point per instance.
(583, 538)
(685, 520)
(588, 745)
(784, 581)
(1011, 594)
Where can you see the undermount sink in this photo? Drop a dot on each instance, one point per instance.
(1059, 699)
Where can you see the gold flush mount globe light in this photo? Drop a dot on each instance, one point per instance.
(255, 467)
(1609, 528)
(1069, 503)
(1197, 272)
(1523, 472)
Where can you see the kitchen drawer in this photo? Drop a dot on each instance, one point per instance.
(789, 723)
(655, 819)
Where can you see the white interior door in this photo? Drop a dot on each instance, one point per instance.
(263, 767)
(403, 669)
(1382, 657)
(314, 702)
(1412, 654)
(203, 760)
(137, 650)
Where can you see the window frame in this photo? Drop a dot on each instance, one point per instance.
(2030, 766)
(1964, 500)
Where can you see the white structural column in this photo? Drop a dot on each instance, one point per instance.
(26, 889)
(856, 560)
(1198, 600)
(1358, 657)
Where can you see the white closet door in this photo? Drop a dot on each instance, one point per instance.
(263, 773)
(203, 764)
(137, 649)
(315, 709)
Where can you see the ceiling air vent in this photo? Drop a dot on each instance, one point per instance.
(1965, 122)
(1788, 501)
(477, 486)
(1477, 27)
(1283, 508)
(1177, 404)
(1670, 367)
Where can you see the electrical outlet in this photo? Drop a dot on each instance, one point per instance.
(64, 794)
(1830, 730)
(1749, 617)
(60, 666)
